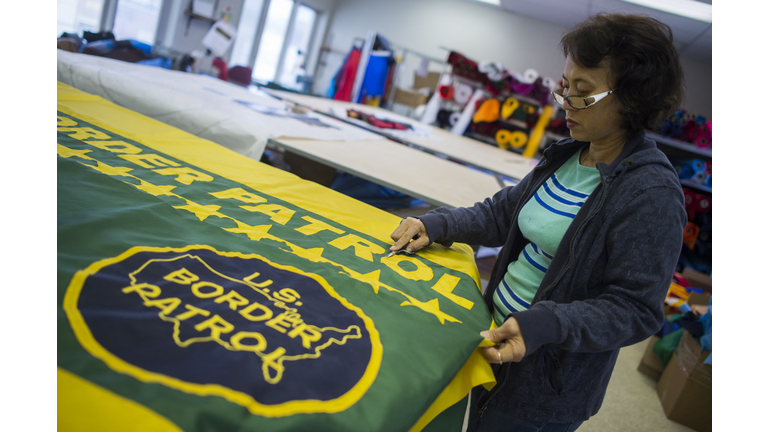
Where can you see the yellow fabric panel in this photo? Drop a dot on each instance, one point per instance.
(83, 406)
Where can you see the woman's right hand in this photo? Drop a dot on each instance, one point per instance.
(409, 229)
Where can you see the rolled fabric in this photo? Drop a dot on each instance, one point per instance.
(698, 165)
(549, 83)
(443, 118)
(454, 117)
(506, 139)
(462, 93)
(488, 111)
(502, 138)
(537, 133)
(703, 142)
(446, 92)
(700, 177)
(703, 203)
(509, 107)
(690, 198)
(466, 115)
(530, 75)
(690, 234)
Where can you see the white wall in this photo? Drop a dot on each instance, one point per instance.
(478, 31)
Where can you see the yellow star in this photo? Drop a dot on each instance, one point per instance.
(112, 171)
(253, 232)
(67, 152)
(201, 211)
(432, 306)
(155, 189)
(314, 254)
(370, 278)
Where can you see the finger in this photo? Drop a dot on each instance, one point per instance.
(412, 231)
(398, 232)
(418, 243)
(495, 335)
(494, 353)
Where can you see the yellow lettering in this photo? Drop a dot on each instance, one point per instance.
(308, 334)
(217, 289)
(185, 175)
(64, 121)
(250, 279)
(144, 290)
(266, 313)
(315, 226)
(192, 311)
(115, 146)
(260, 346)
(182, 277)
(233, 298)
(445, 286)
(288, 295)
(152, 160)
(422, 271)
(284, 321)
(217, 325)
(272, 361)
(276, 212)
(167, 305)
(83, 133)
(363, 248)
(239, 194)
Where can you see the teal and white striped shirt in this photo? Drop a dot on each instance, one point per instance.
(543, 221)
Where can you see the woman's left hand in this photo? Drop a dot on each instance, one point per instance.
(510, 348)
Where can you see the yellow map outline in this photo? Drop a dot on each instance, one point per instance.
(177, 323)
(89, 342)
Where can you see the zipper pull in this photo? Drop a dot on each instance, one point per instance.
(482, 410)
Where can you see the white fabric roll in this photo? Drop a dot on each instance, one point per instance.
(466, 115)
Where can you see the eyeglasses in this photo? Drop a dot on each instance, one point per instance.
(579, 102)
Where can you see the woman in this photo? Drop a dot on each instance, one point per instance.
(590, 237)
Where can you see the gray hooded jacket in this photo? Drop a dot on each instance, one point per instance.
(604, 289)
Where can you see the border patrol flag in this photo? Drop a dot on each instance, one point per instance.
(201, 290)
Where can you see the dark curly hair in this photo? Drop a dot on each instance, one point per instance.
(643, 61)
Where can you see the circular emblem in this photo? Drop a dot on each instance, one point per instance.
(270, 337)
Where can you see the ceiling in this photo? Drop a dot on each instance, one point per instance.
(693, 38)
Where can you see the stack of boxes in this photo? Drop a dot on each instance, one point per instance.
(684, 384)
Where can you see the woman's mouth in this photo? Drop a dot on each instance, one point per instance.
(570, 123)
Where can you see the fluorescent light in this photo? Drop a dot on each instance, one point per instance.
(493, 2)
(686, 8)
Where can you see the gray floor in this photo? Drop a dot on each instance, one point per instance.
(631, 403)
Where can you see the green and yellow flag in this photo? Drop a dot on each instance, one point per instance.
(201, 290)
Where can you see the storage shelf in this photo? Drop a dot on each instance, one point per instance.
(680, 145)
(480, 85)
(693, 185)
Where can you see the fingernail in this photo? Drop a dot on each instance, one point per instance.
(484, 334)
(409, 250)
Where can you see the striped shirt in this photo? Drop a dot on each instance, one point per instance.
(543, 221)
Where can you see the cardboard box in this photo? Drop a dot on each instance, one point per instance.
(685, 386)
(697, 279)
(409, 98)
(650, 364)
(429, 81)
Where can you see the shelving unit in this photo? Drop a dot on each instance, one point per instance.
(514, 124)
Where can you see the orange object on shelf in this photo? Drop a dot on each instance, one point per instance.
(488, 111)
